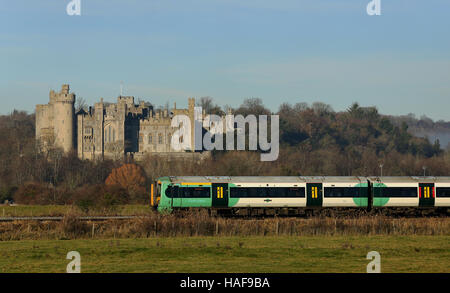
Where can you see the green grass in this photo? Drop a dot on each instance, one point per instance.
(231, 254)
(60, 210)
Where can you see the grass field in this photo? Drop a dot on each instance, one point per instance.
(231, 254)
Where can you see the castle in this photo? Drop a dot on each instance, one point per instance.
(108, 130)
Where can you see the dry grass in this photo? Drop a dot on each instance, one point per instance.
(61, 210)
(199, 223)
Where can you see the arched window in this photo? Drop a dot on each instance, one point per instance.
(160, 138)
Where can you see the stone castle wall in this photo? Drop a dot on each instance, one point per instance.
(55, 122)
(107, 130)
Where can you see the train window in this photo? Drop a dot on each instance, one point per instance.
(201, 192)
(194, 192)
(277, 192)
(286, 192)
(442, 191)
(395, 192)
(238, 192)
(184, 192)
(296, 192)
(251, 192)
(342, 192)
(258, 192)
(168, 191)
(172, 191)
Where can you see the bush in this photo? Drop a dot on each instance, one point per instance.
(130, 177)
(112, 196)
(7, 194)
(34, 193)
(99, 196)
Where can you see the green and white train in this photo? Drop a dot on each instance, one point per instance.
(295, 193)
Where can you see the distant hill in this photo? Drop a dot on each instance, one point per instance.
(426, 127)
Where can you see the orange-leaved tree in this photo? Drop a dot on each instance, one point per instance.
(130, 177)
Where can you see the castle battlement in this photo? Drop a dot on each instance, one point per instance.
(63, 96)
(110, 130)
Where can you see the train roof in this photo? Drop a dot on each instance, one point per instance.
(410, 179)
(303, 179)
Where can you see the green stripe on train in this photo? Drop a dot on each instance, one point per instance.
(377, 201)
(232, 201)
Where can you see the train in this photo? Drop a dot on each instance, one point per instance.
(298, 194)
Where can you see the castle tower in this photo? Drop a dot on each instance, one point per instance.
(64, 118)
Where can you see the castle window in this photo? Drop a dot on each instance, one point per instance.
(114, 135)
(160, 138)
(141, 138)
(149, 138)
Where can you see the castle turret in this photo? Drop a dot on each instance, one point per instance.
(64, 118)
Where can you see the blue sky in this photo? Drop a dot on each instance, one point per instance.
(280, 51)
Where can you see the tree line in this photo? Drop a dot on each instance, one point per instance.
(314, 140)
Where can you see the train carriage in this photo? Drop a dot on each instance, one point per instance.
(442, 192)
(307, 192)
(345, 192)
(267, 192)
(395, 191)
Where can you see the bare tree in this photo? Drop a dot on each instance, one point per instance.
(209, 106)
(80, 104)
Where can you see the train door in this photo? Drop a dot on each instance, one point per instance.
(426, 194)
(172, 192)
(314, 194)
(219, 195)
